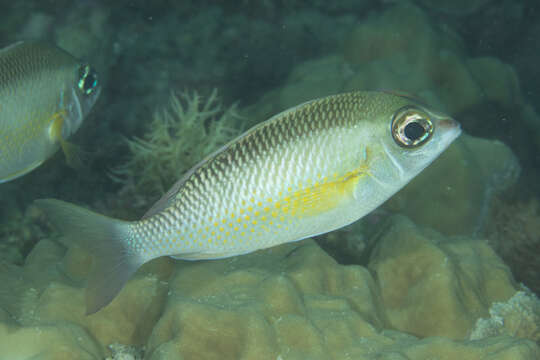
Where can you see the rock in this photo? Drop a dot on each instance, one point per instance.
(290, 302)
(501, 348)
(294, 303)
(432, 286)
(127, 320)
(61, 341)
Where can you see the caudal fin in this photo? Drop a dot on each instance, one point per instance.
(106, 238)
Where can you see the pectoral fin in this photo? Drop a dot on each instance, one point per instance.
(74, 155)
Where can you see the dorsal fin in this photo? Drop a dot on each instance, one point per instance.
(406, 95)
(11, 46)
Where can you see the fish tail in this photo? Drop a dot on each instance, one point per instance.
(107, 239)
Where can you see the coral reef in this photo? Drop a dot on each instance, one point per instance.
(293, 301)
(177, 138)
(62, 341)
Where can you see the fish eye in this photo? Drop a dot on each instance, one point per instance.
(88, 80)
(411, 127)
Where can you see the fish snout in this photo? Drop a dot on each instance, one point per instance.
(449, 124)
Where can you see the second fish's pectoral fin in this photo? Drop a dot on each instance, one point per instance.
(74, 155)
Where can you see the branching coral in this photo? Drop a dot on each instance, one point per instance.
(178, 138)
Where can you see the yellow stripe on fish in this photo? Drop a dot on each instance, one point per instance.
(306, 171)
(255, 218)
(56, 122)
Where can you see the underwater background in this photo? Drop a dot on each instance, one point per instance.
(447, 268)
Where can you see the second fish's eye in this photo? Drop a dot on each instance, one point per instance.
(88, 80)
(411, 127)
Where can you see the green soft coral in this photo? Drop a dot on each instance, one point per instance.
(178, 138)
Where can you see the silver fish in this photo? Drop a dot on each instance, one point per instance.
(45, 93)
(306, 171)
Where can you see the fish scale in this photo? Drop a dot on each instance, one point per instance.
(309, 170)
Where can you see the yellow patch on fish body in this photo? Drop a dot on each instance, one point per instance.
(45, 94)
(309, 170)
(315, 198)
(56, 124)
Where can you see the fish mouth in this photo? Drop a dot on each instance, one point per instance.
(449, 124)
(451, 130)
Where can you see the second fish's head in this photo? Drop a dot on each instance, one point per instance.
(81, 93)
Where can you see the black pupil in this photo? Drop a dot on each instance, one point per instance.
(89, 82)
(414, 131)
